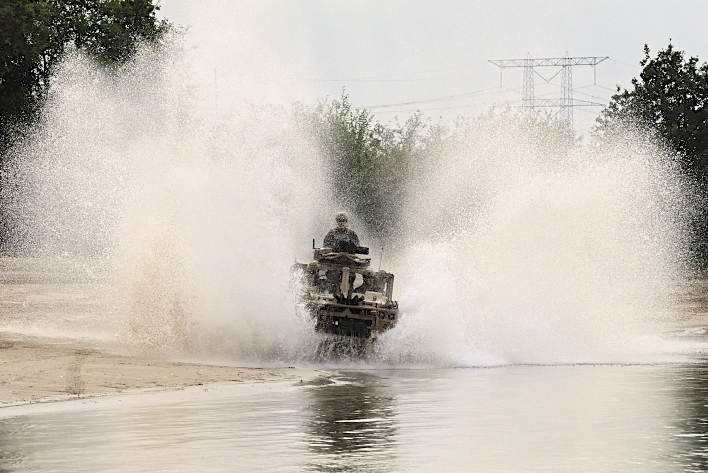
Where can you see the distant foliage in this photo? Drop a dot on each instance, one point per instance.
(373, 164)
(34, 34)
(671, 97)
(370, 162)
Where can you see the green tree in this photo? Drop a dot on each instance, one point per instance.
(671, 97)
(34, 34)
(370, 162)
(373, 165)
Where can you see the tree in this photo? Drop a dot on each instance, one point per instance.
(370, 162)
(110, 30)
(671, 97)
(34, 34)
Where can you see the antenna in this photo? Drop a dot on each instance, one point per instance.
(381, 258)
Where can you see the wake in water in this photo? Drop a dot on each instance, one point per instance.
(517, 250)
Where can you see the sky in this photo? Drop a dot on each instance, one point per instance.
(397, 56)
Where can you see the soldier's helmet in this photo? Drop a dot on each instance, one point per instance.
(342, 219)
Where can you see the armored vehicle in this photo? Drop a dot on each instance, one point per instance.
(344, 296)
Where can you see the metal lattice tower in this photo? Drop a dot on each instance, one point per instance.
(528, 92)
(567, 92)
(562, 66)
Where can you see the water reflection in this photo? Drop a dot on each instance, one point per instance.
(690, 428)
(553, 419)
(100, 440)
(11, 451)
(352, 425)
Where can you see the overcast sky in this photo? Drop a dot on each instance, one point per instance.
(388, 52)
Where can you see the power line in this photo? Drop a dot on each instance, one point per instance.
(433, 109)
(392, 79)
(467, 105)
(498, 91)
(376, 80)
(607, 88)
(564, 67)
(448, 107)
(550, 61)
(590, 95)
(436, 99)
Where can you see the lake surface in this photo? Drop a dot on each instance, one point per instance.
(573, 418)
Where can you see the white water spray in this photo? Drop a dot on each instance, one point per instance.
(193, 215)
(530, 252)
(519, 251)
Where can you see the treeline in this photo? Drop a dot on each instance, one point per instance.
(370, 161)
(372, 164)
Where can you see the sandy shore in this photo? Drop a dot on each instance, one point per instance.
(63, 301)
(57, 299)
(40, 370)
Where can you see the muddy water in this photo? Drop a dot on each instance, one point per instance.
(601, 418)
(564, 418)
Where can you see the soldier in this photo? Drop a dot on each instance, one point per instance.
(341, 238)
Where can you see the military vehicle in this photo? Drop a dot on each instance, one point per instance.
(344, 296)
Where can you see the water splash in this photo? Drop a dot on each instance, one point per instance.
(530, 253)
(193, 215)
(519, 249)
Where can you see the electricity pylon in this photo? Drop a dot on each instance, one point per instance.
(564, 67)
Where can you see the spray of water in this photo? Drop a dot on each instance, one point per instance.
(518, 249)
(193, 214)
(529, 249)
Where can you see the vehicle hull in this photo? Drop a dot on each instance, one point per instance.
(353, 320)
(344, 297)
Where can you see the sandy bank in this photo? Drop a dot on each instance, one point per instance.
(39, 370)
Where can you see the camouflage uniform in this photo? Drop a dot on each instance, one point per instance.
(338, 236)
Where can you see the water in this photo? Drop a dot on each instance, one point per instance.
(530, 248)
(601, 418)
(175, 221)
(191, 216)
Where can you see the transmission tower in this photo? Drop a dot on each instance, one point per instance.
(557, 65)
